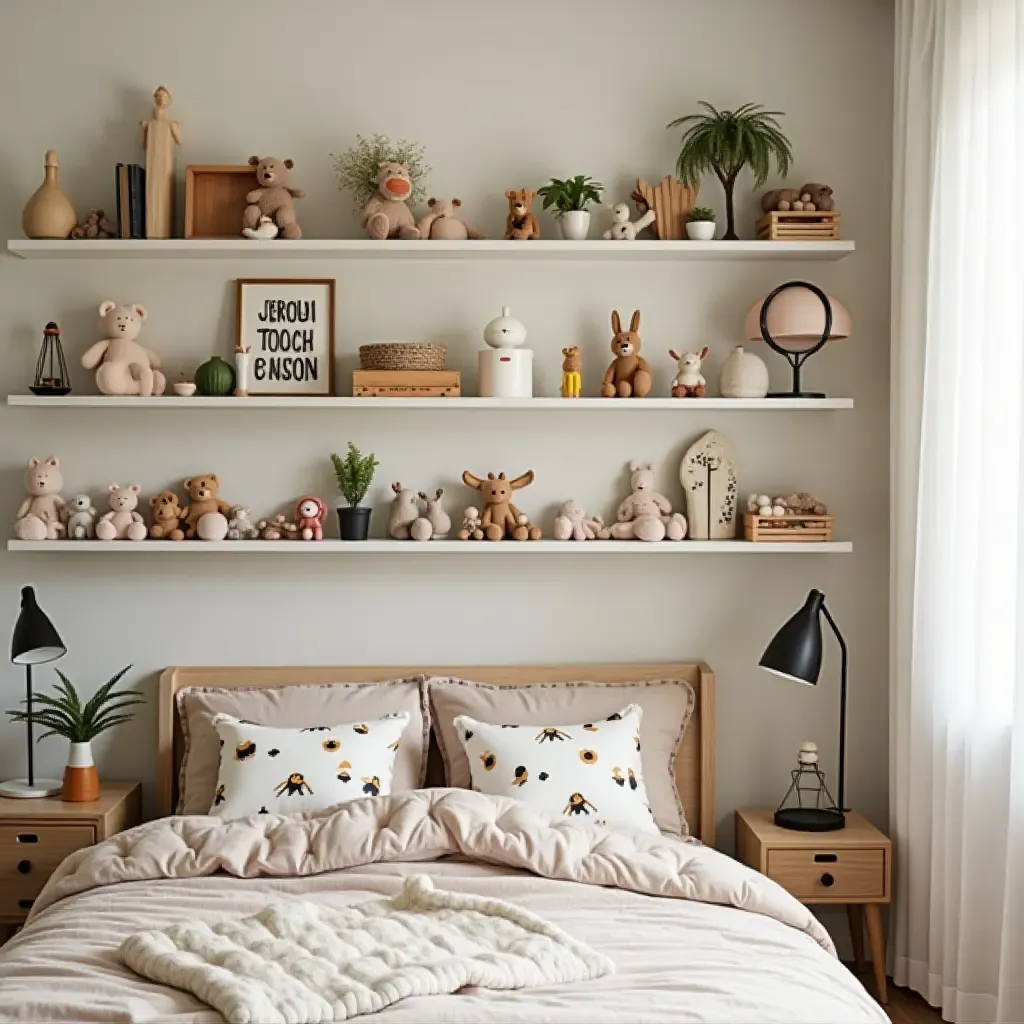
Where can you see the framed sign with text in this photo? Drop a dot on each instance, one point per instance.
(287, 325)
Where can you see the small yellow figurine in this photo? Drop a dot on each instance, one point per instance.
(572, 379)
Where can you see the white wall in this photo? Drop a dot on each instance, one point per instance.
(502, 97)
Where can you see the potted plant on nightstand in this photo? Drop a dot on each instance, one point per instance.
(355, 474)
(700, 224)
(570, 198)
(80, 722)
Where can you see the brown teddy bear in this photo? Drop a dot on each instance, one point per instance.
(820, 196)
(501, 518)
(274, 198)
(444, 221)
(202, 490)
(629, 376)
(167, 514)
(521, 222)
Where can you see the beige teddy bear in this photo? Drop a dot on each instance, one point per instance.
(122, 522)
(645, 514)
(443, 221)
(387, 214)
(274, 198)
(122, 365)
(39, 517)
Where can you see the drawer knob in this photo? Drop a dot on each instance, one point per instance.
(25, 904)
(828, 880)
(27, 837)
(24, 866)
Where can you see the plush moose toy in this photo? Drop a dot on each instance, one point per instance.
(501, 518)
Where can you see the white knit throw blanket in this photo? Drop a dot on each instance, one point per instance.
(301, 962)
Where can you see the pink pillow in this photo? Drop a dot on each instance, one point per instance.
(295, 707)
(667, 706)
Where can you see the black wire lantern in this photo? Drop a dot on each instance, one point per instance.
(51, 377)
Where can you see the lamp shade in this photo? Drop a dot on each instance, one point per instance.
(795, 651)
(35, 640)
(796, 320)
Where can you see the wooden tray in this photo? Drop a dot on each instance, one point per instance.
(801, 529)
(215, 199)
(799, 226)
(406, 383)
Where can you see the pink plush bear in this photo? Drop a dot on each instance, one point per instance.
(310, 514)
(122, 522)
(39, 517)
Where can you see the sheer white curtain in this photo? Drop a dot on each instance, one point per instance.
(957, 598)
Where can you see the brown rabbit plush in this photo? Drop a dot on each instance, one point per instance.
(629, 376)
(501, 518)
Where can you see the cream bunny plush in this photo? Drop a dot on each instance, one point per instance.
(40, 515)
(645, 514)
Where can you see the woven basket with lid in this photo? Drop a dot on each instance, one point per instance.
(398, 355)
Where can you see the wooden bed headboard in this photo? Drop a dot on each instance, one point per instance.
(695, 758)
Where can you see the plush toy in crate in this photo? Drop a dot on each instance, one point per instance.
(798, 516)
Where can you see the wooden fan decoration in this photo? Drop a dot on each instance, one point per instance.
(670, 200)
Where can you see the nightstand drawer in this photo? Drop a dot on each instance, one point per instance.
(28, 856)
(827, 874)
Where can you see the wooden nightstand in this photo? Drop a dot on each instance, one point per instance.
(852, 867)
(36, 835)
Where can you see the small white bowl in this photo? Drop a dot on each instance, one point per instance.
(185, 389)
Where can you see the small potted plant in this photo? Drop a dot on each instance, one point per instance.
(700, 224)
(80, 722)
(570, 198)
(355, 474)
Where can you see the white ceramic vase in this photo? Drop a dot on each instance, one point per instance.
(700, 230)
(574, 225)
(743, 375)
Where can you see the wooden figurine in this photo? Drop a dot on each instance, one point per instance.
(689, 382)
(670, 200)
(708, 477)
(49, 213)
(160, 135)
(572, 379)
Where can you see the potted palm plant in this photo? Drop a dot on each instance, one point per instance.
(355, 474)
(726, 141)
(80, 722)
(570, 198)
(700, 224)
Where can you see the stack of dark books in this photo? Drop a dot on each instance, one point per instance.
(131, 201)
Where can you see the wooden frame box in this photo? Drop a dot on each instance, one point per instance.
(406, 383)
(799, 226)
(215, 199)
(800, 529)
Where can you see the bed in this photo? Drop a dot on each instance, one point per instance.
(739, 949)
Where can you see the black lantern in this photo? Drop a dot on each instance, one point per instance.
(51, 377)
(795, 653)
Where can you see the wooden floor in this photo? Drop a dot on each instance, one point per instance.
(905, 1007)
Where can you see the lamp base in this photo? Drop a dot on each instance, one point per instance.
(21, 790)
(810, 819)
(796, 394)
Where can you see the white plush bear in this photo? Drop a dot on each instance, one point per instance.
(39, 517)
(122, 522)
(123, 366)
(81, 518)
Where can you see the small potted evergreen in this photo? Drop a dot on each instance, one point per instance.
(700, 224)
(570, 199)
(355, 474)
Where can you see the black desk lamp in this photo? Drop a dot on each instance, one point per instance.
(795, 653)
(35, 642)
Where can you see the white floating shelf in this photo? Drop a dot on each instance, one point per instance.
(367, 249)
(437, 547)
(492, 404)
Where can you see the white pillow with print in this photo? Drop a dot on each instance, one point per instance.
(589, 772)
(267, 770)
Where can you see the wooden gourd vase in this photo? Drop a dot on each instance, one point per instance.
(49, 213)
(81, 780)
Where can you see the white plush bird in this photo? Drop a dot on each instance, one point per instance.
(266, 229)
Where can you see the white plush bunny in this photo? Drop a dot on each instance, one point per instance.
(622, 229)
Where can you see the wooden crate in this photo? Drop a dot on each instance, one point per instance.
(800, 529)
(215, 199)
(799, 226)
(406, 383)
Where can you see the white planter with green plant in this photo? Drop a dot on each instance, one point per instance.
(700, 224)
(570, 198)
(354, 474)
